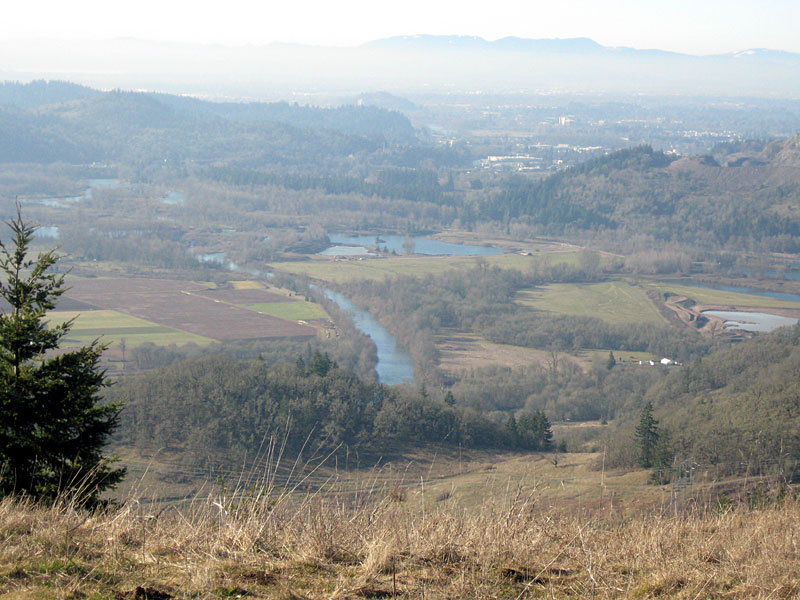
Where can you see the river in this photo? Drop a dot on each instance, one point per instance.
(394, 364)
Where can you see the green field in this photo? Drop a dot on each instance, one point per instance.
(351, 270)
(707, 296)
(292, 311)
(611, 301)
(112, 326)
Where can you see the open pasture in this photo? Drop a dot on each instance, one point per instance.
(300, 310)
(611, 301)
(461, 350)
(343, 271)
(505, 243)
(184, 306)
(721, 297)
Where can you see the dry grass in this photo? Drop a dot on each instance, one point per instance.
(372, 546)
(461, 350)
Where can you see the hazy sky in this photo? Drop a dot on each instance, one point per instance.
(693, 26)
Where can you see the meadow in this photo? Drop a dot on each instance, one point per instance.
(465, 350)
(615, 301)
(299, 310)
(720, 297)
(343, 271)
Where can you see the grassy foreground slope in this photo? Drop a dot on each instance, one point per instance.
(286, 547)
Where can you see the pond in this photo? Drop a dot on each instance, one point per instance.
(394, 364)
(751, 321)
(422, 245)
(50, 232)
(174, 198)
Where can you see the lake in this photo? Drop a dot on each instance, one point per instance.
(422, 245)
(751, 321)
(394, 364)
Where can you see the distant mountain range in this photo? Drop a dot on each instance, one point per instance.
(402, 64)
(579, 45)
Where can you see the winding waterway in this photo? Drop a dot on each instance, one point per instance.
(394, 364)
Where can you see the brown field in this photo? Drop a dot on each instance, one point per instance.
(65, 303)
(464, 350)
(178, 304)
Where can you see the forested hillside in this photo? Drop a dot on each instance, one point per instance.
(735, 410)
(745, 195)
(54, 121)
(695, 201)
(739, 407)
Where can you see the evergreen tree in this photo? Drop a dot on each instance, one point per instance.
(513, 431)
(647, 437)
(320, 363)
(52, 423)
(611, 362)
(535, 432)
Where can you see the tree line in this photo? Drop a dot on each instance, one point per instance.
(221, 406)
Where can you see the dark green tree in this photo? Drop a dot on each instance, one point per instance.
(611, 362)
(647, 437)
(53, 425)
(320, 363)
(512, 430)
(535, 432)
